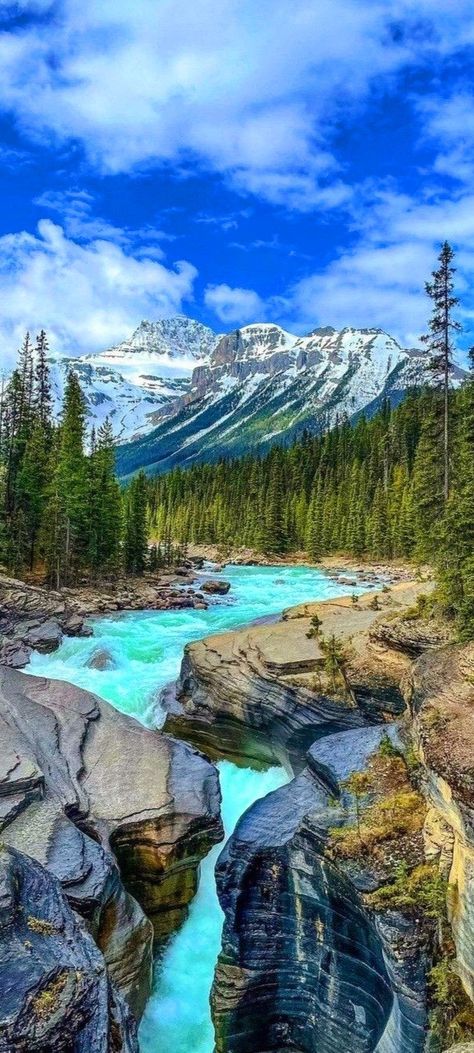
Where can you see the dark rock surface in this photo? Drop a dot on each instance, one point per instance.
(119, 814)
(215, 588)
(304, 964)
(34, 618)
(55, 994)
(101, 660)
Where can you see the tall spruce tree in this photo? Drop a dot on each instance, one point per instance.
(66, 514)
(455, 553)
(439, 340)
(136, 534)
(42, 382)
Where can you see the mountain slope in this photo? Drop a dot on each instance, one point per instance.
(134, 381)
(262, 384)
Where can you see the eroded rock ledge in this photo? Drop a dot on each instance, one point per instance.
(55, 993)
(119, 815)
(440, 692)
(256, 696)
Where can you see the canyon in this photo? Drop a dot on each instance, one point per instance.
(105, 822)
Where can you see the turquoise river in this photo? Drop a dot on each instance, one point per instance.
(146, 648)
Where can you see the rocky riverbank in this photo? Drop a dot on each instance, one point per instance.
(34, 618)
(117, 819)
(260, 695)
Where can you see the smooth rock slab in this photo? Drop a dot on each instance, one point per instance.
(120, 814)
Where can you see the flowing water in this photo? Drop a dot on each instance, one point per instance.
(145, 649)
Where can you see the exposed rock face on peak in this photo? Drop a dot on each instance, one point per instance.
(121, 816)
(55, 993)
(174, 338)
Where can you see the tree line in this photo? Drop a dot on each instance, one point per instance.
(63, 515)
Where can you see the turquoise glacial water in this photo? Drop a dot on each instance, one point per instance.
(146, 648)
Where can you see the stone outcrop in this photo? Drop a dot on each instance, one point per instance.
(215, 588)
(55, 993)
(462, 1047)
(32, 618)
(121, 816)
(304, 964)
(259, 695)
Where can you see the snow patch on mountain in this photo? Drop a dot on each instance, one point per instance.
(137, 379)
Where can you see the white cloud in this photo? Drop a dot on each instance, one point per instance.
(250, 91)
(86, 296)
(234, 305)
(379, 281)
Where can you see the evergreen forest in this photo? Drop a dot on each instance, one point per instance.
(63, 515)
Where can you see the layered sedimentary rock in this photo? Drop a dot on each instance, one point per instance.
(55, 993)
(120, 815)
(304, 964)
(258, 695)
(440, 692)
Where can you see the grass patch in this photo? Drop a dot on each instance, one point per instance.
(386, 809)
(46, 1001)
(42, 927)
(422, 889)
(452, 1013)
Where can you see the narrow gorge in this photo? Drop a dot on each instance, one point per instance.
(348, 827)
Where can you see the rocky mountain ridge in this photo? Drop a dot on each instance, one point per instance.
(261, 384)
(177, 392)
(132, 381)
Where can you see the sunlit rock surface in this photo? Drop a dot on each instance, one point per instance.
(441, 696)
(258, 695)
(120, 815)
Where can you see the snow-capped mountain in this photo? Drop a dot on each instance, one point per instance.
(261, 384)
(132, 382)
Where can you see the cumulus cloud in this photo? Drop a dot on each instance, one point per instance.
(250, 91)
(379, 281)
(85, 295)
(234, 305)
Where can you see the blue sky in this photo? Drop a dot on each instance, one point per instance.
(293, 160)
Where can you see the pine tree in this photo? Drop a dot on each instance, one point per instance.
(455, 555)
(439, 341)
(428, 482)
(42, 383)
(68, 508)
(136, 538)
(314, 544)
(104, 503)
(274, 537)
